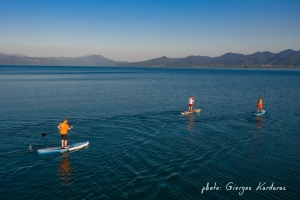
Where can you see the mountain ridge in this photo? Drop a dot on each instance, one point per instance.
(285, 59)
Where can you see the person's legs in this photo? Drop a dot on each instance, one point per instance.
(64, 141)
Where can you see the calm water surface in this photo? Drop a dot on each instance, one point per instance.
(141, 147)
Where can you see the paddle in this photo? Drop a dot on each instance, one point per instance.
(44, 134)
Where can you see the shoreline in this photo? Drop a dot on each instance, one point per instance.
(153, 66)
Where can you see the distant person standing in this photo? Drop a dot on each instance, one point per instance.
(259, 105)
(64, 128)
(191, 102)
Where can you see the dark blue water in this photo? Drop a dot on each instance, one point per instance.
(141, 147)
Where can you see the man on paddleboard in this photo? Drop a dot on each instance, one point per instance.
(64, 128)
(191, 101)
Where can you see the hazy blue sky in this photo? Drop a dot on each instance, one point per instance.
(140, 30)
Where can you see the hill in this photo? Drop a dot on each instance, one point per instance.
(88, 60)
(285, 59)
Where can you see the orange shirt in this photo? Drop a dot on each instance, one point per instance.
(259, 105)
(63, 128)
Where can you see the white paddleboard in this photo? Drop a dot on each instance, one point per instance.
(190, 112)
(260, 113)
(71, 147)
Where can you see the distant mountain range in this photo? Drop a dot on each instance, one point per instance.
(88, 60)
(285, 59)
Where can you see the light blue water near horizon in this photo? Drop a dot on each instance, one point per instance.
(141, 147)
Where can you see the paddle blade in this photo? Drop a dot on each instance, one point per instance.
(43, 134)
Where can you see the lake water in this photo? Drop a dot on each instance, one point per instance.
(141, 147)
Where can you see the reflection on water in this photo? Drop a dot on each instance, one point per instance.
(258, 122)
(258, 125)
(64, 170)
(254, 154)
(191, 122)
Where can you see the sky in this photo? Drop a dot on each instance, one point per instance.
(138, 30)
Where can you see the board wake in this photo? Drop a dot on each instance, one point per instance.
(190, 112)
(71, 147)
(259, 113)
